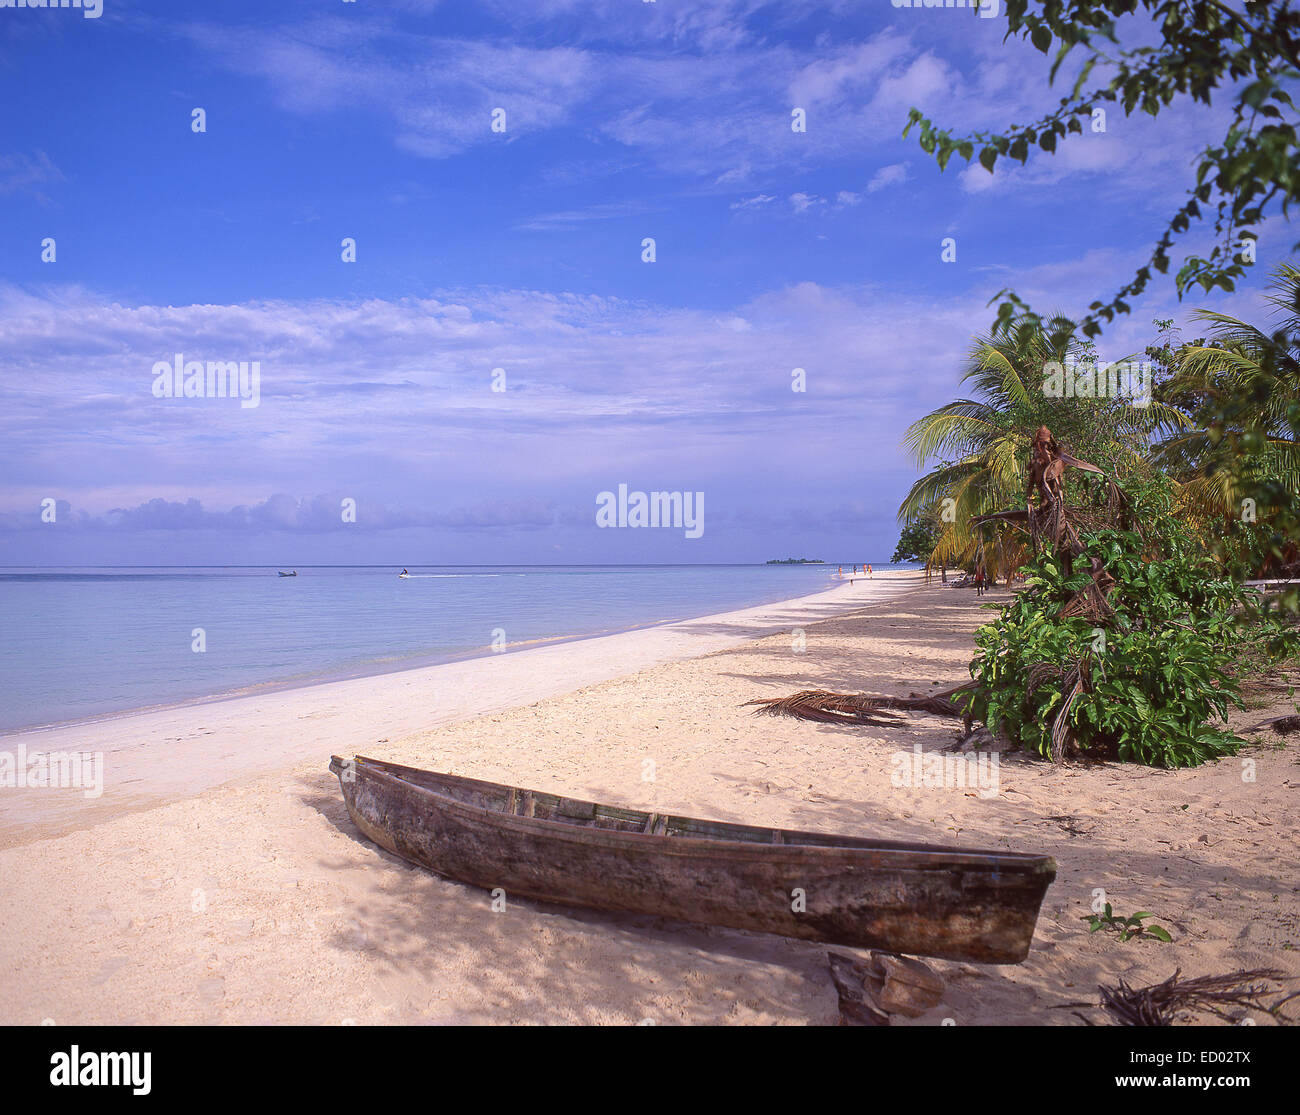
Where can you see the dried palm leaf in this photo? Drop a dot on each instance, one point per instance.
(1074, 462)
(1016, 517)
(1159, 1004)
(1089, 603)
(1040, 674)
(1283, 725)
(1062, 735)
(857, 708)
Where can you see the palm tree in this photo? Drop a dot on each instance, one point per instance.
(981, 443)
(1245, 364)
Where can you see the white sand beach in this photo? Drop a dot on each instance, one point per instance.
(219, 879)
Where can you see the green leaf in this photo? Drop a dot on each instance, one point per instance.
(1255, 93)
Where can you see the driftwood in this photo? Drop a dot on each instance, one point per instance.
(903, 985)
(856, 1005)
(886, 984)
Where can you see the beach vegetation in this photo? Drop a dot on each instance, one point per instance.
(1205, 50)
(918, 538)
(1130, 640)
(1128, 927)
(1144, 679)
(979, 444)
(1135, 627)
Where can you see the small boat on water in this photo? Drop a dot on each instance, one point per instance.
(923, 899)
(284, 574)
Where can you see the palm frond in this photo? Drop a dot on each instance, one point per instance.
(825, 707)
(1161, 1003)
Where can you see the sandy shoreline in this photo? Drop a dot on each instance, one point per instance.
(257, 901)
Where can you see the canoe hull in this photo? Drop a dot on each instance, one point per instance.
(927, 901)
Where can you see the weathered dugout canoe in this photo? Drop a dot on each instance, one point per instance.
(927, 900)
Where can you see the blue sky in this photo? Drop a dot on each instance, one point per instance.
(521, 250)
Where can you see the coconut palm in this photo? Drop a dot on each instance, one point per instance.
(981, 442)
(1244, 363)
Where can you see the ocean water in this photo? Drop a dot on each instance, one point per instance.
(87, 642)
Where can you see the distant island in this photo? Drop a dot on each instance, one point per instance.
(796, 561)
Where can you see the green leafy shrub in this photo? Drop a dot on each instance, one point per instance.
(1151, 679)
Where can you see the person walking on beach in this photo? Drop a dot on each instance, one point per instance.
(869, 573)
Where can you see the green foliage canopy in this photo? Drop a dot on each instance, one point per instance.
(1205, 47)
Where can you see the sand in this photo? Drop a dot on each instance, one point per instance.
(246, 895)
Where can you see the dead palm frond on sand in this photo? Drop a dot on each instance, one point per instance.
(1162, 1004)
(825, 707)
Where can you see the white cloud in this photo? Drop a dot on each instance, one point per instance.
(886, 176)
(438, 92)
(377, 396)
(605, 211)
(1137, 158)
(21, 173)
(841, 75)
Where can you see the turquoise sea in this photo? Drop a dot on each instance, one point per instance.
(87, 642)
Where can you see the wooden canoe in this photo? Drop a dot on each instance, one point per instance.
(927, 900)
